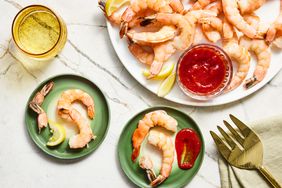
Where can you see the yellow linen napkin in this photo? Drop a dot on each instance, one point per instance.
(270, 133)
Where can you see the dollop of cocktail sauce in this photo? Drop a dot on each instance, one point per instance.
(188, 146)
(202, 70)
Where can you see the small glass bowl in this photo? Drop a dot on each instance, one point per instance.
(218, 90)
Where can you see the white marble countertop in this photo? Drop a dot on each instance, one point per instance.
(88, 52)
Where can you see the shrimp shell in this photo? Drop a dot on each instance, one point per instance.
(40, 96)
(42, 119)
(152, 119)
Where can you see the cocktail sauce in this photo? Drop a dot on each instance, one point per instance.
(203, 69)
(188, 147)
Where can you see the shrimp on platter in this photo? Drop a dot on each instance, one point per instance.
(137, 6)
(115, 17)
(164, 34)
(261, 50)
(71, 95)
(141, 53)
(249, 6)
(201, 4)
(231, 12)
(42, 119)
(212, 28)
(237, 53)
(216, 7)
(150, 120)
(275, 30)
(211, 33)
(165, 144)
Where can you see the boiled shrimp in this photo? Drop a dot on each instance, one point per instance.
(164, 34)
(69, 96)
(276, 28)
(212, 28)
(249, 6)
(85, 132)
(165, 144)
(211, 33)
(42, 119)
(231, 11)
(181, 41)
(152, 119)
(115, 17)
(137, 6)
(201, 4)
(177, 6)
(237, 53)
(40, 96)
(162, 52)
(142, 54)
(215, 7)
(261, 50)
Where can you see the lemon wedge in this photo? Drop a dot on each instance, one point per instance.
(165, 72)
(59, 134)
(112, 5)
(167, 85)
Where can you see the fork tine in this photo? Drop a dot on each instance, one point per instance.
(245, 130)
(221, 146)
(234, 132)
(227, 137)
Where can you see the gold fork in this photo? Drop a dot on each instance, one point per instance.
(243, 149)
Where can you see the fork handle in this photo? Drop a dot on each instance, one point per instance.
(269, 177)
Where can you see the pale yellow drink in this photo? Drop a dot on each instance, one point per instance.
(38, 32)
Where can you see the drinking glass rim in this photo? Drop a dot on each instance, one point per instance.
(57, 18)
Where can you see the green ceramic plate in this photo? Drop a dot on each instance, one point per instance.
(178, 177)
(99, 124)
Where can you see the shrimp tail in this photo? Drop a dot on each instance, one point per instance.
(155, 69)
(102, 5)
(251, 82)
(158, 181)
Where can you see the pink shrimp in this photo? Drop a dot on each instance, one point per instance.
(143, 54)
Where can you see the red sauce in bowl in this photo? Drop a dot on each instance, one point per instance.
(204, 70)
